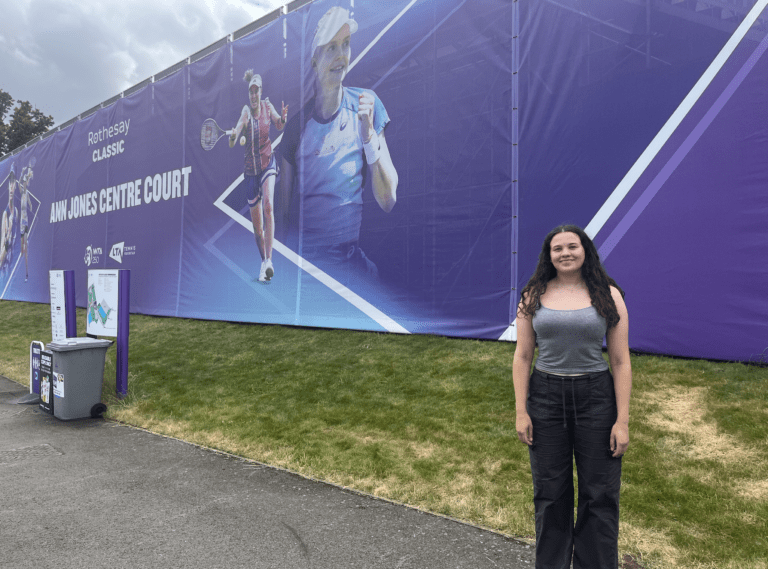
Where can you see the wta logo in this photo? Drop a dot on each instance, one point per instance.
(120, 250)
(92, 255)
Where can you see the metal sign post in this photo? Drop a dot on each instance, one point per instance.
(123, 328)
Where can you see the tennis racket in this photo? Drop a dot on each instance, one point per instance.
(211, 133)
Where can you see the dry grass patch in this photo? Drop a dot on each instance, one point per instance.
(502, 515)
(680, 413)
(492, 467)
(748, 518)
(422, 450)
(456, 489)
(754, 564)
(655, 545)
(694, 446)
(369, 484)
(752, 489)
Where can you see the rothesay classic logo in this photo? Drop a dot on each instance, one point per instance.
(92, 255)
(120, 250)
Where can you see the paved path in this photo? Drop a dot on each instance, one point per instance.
(92, 493)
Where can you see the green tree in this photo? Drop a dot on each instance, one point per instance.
(6, 102)
(25, 123)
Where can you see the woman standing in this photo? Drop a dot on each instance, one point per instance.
(573, 404)
(260, 166)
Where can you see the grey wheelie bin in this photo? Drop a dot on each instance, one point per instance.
(78, 369)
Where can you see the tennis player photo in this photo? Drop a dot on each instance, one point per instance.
(25, 210)
(252, 131)
(7, 233)
(331, 148)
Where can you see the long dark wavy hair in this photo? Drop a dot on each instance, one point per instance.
(592, 271)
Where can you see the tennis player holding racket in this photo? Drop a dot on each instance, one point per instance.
(26, 207)
(260, 166)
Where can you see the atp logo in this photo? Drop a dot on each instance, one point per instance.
(120, 250)
(92, 255)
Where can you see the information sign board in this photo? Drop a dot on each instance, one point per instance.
(34, 366)
(102, 308)
(58, 306)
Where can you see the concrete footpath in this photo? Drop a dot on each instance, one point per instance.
(93, 493)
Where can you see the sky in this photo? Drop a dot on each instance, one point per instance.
(66, 56)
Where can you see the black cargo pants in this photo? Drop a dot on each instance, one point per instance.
(573, 417)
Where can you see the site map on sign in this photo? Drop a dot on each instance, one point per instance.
(97, 311)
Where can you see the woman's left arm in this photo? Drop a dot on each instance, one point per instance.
(617, 340)
(278, 120)
(384, 177)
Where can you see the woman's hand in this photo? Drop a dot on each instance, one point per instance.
(365, 112)
(619, 439)
(524, 428)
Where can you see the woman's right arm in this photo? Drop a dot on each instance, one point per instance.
(521, 371)
(238, 127)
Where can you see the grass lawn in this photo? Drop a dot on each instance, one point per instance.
(429, 421)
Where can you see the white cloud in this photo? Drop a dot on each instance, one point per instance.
(65, 56)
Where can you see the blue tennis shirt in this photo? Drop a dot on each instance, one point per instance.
(330, 168)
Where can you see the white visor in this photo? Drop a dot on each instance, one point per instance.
(330, 24)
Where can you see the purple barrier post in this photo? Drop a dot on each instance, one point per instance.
(123, 328)
(69, 304)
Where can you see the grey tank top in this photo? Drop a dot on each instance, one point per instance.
(570, 341)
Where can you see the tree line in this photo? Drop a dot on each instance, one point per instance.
(25, 123)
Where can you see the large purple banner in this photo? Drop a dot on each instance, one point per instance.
(395, 166)
(347, 165)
